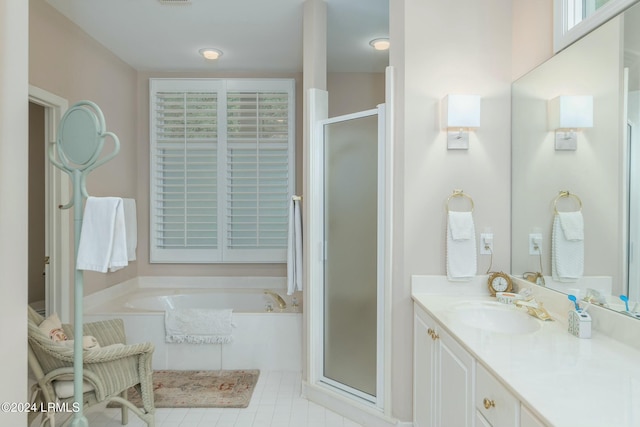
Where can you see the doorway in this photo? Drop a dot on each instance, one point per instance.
(37, 238)
(49, 254)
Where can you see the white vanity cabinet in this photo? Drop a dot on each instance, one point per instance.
(443, 377)
(450, 388)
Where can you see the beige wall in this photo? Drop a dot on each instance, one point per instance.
(14, 115)
(460, 46)
(353, 92)
(65, 61)
(532, 34)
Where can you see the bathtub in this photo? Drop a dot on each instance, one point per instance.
(265, 337)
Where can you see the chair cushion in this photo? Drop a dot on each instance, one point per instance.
(52, 327)
(64, 388)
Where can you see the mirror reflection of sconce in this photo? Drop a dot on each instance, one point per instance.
(460, 114)
(567, 114)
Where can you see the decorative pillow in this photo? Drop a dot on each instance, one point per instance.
(88, 343)
(52, 327)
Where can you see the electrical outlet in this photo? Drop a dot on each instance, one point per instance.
(486, 243)
(535, 243)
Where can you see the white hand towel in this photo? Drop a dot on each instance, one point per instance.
(572, 225)
(131, 227)
(461, 246)
(567, 255)
(103, 240)
(294, 248)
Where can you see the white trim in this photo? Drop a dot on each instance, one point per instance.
(563, 37)
(317, 107)
(58, 241)
(389, 150)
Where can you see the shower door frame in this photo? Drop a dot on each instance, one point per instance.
(318, 256)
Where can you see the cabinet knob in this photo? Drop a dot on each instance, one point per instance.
(432, 334)
(488, 403)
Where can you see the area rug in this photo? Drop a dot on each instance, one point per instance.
(201, 389)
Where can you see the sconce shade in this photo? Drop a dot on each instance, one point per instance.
(571, 112)
(461, 111)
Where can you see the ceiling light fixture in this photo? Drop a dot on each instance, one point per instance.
(380, 44)
(210, 53)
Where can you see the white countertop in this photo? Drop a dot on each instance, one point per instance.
(566, 380)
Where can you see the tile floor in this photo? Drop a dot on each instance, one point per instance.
(276, 402)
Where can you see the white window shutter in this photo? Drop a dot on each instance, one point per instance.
(222, 162)
(257, 173)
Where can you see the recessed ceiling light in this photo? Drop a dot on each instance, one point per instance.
(210, 53)
(380, 44)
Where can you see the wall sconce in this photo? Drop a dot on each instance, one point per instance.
(460, 113)
(568, 114)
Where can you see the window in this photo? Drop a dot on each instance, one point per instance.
(576, 18)
(222, 162)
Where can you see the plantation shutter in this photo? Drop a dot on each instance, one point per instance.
(257, 173)
(184, 183)
(221, 155)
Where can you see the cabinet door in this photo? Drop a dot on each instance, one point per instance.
(423, 368)
(494, 401)
(454, 387)
(481, 421)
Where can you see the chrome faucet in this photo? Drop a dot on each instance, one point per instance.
(277, 298)
(535, 309)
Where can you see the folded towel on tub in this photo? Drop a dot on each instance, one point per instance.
(198, 326)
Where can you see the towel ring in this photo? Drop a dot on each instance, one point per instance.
(563, 194)
(459, 193)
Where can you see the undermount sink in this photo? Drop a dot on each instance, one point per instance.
(494, 317)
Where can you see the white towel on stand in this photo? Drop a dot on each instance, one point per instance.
(461, 246)
(567, 247)
(103, 240)
(131, 227)
(294, 248)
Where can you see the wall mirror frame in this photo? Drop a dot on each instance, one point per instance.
(603, 171)
(573, 19)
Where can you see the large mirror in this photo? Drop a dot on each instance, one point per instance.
(597, 176)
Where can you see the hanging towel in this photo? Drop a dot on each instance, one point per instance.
(131, 227)
(567, 247)
(103, 240)
(198, 326)
(294, 248)
(461, 246)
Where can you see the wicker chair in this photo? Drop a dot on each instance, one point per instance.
(108, 371)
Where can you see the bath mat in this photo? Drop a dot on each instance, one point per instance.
(200, 389)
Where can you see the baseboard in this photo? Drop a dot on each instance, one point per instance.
(351, 409)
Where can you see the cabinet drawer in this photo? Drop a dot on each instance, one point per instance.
(494, 401)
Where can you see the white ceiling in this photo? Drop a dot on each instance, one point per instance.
(263, 35)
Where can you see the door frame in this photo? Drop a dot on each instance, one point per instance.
(317, 257)
(57, 223)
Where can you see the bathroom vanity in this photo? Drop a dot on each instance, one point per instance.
(481, 363)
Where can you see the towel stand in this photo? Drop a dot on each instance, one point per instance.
(77, 151)
(566, 194)
(459, 193)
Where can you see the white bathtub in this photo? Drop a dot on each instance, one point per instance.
(261, 339)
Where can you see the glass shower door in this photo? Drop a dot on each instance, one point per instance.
(352, 250)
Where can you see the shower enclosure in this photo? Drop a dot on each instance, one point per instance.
(348, 272)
